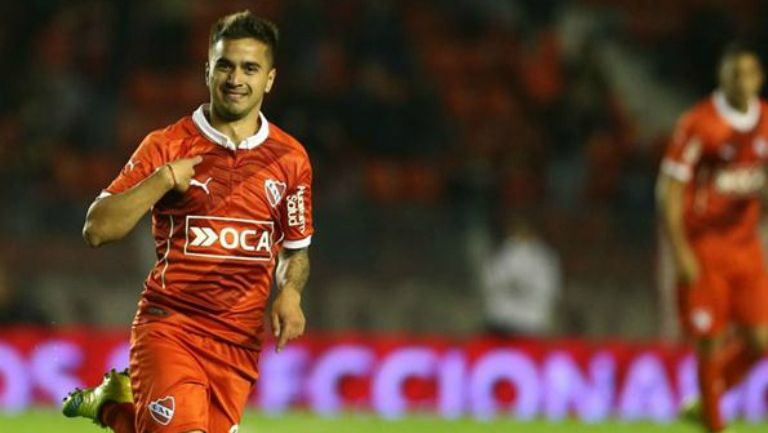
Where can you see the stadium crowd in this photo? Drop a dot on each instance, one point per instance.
(430, 125)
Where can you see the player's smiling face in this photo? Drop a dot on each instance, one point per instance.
(239, 73)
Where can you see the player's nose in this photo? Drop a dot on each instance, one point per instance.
(235, 77)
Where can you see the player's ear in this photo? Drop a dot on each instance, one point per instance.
(207, 73)
(270, 79)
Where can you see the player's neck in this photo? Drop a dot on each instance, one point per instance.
(738, 104)
(237, 130)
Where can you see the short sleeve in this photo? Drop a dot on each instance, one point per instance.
(684, 151)
(297, 212)
(144, 161)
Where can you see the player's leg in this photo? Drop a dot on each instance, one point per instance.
(750, 303)
(119, 417)
(109, 405)
(227, 405)
(711, 381)
(170, 387)
(741, 352)
(232, 372)
(704, 315)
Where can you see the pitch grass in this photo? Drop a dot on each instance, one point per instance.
(45, 420)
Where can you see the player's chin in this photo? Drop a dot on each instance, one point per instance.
(233, 110)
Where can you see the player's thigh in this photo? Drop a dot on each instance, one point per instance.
(750, 305)
(704, 306)
(226, 410)
(232, 377)
(757, 338)
(170, 389)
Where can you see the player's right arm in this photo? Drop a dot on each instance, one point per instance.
(670, 197)
(676, 171)
(146, 179)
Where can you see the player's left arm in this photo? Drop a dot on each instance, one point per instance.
(293, 262)
(288, 320)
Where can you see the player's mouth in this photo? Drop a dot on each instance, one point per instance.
(233, 95)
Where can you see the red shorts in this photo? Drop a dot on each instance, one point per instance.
(183, 381)
(732, 288)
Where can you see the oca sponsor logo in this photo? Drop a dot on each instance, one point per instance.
(741, 181)
(228, 238)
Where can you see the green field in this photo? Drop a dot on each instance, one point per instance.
(48, 421)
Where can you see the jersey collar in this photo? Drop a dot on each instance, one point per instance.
(217, 137)
(742, 122)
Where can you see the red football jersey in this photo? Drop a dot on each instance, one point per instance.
(721, 154)
(217, 243)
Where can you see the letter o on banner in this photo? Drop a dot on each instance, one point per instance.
(333, 365)
(388, 399)
(504, 364)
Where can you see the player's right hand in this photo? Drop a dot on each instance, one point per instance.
(183, 172)
(688, 267)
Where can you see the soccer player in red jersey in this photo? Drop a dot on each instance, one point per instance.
(711, 181)
(230, 197)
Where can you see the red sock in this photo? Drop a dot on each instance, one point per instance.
(737, 360)
(118, 417)
(712, 387)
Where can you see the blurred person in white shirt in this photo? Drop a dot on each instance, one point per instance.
(521, 283)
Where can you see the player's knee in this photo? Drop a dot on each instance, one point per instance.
(758, 340)
(709, 346)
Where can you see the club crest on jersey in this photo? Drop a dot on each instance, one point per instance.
(275, 191)
(228, 238)
(727, 152)
(162, 409)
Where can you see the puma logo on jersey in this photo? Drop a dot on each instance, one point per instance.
(228, 238)
(275, 191)
(201, 185)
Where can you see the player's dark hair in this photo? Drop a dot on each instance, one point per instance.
(735, 49)
(245, 24)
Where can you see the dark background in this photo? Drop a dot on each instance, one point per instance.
(430, 125)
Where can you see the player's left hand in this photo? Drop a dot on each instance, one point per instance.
(287, 318)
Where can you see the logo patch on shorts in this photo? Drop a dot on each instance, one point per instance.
(701, 319)
(235, 428)
(162, 409)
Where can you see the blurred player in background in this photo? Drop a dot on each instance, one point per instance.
(710, 187)
(230, 196)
